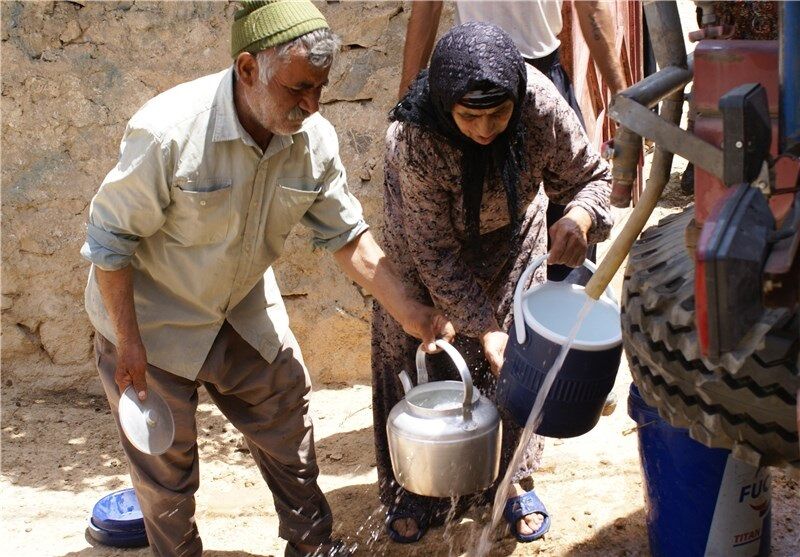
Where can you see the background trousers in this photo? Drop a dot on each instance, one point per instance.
(551, 67)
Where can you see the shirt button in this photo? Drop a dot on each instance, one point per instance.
(203, 203)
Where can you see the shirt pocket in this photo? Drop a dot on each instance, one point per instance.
(293, 198)
(200, 212)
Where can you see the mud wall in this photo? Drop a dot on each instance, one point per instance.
(73, 73)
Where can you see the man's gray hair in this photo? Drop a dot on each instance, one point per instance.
(319, 46)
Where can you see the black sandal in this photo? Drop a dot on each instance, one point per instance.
(409, 508)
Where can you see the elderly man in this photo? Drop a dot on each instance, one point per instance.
(212, 176)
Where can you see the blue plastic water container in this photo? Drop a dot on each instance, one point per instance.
(699, 501)
(543, 318)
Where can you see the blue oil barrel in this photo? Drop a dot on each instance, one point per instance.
(699, 501)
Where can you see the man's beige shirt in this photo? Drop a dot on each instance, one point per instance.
(200, 212)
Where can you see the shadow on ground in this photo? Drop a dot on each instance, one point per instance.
(626, 537)
(99, 550)
(673, 196)
(82, 445)
(102, 551)
(342, 454)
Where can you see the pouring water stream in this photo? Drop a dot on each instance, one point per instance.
(534, 418)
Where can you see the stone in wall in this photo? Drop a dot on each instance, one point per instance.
(73, 74)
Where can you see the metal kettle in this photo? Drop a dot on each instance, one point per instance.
(444, 436)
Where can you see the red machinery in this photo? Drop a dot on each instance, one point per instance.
(710, 320)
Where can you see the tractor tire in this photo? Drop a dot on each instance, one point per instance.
(747, 401)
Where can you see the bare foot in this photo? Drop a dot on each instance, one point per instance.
(405, 527)
(529, 523)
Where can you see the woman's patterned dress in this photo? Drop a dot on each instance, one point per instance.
(425, 239)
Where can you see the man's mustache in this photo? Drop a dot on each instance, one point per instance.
(297, 114)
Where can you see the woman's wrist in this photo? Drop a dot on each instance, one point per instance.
(581, 217)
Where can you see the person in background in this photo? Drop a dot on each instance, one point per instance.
(212, 176)
(534, 26)
(475, 149)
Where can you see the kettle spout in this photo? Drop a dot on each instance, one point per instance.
(406, 381)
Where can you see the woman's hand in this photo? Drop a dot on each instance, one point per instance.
(494, 346)
(568, 238)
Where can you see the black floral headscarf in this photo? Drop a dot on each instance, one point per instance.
(474, 56)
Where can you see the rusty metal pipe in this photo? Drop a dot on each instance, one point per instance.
(671, 109)
(649, 91)
(627, 152)
(664, 24)
(627, 141)
(665, 29)
(666, 33)
(667, 134)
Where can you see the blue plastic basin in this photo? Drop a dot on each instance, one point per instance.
(119, 512)
(117, 539)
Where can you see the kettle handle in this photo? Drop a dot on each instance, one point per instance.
(519, 318)
(461, 365)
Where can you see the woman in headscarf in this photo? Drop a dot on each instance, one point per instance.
(474, 151)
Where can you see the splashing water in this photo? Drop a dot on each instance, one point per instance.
(534, 418)
(372, 527)
(449, 537)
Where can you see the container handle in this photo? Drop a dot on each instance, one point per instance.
(405, 380)
(519, 318)
(463, 370)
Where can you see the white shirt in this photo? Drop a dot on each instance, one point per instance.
(534, 25)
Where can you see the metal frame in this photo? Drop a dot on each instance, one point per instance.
(670, 137)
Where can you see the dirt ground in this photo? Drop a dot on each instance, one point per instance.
(60, 454)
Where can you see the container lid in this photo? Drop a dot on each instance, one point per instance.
(147, 424)
(110, 538)
(118, 511)
(550, 309)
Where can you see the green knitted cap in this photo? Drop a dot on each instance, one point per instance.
(262, 24)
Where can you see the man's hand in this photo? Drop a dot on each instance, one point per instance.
(116, 288)
(494, 346)
(428, 324)
(568, 238)
(131, 368)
